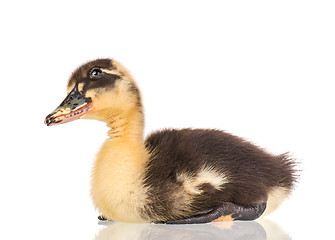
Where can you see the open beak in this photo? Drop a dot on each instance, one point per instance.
(73, 107)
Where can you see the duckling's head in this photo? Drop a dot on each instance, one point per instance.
(101, 89)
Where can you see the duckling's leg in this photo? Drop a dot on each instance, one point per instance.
(226, 212)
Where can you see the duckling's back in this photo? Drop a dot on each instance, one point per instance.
(191, 170)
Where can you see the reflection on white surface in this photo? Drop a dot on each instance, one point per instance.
(263, 230)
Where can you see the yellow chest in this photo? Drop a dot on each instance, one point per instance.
(117, 181)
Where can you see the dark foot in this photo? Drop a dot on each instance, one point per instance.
(251, 213)
(225, 212)
(102, 218)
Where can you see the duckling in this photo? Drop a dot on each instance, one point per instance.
(173, 176)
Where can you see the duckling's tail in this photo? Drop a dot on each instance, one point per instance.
(290, 172)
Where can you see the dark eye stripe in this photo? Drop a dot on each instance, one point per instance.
(106, 81)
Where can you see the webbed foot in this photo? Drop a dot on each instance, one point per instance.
(226, 212)
(102, 218)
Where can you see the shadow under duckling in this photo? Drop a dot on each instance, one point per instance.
(246, 230)
(172, 176)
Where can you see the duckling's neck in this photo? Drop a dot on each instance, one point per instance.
(126, 125)
(117, 180)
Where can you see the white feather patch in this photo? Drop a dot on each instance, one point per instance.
(206, 174)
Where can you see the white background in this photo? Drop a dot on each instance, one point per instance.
(262, 70)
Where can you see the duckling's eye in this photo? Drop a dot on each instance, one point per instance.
(95, 73)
